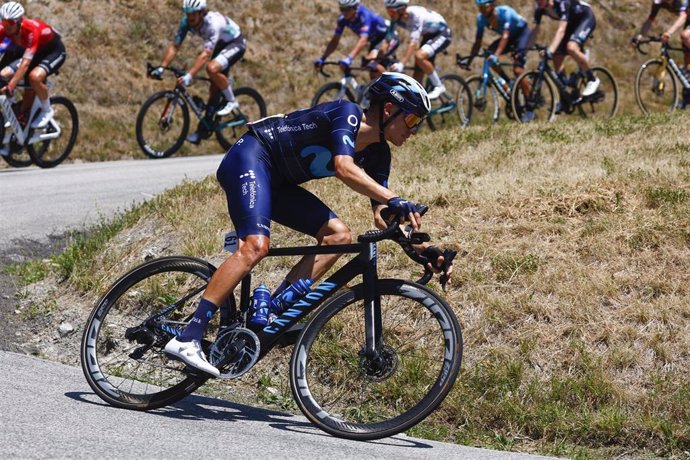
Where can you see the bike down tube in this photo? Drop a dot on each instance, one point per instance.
(7, 111)
(270, 334)
(372, 306)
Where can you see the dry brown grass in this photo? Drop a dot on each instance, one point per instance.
(109, 42)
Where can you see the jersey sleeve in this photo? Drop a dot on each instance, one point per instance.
(182, 30)
(563, 10)
(345, 121)
(340, 26)
(538, 13)
(416, 29)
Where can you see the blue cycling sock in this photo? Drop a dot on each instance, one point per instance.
(196, 327)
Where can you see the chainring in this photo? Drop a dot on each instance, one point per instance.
(234, 352)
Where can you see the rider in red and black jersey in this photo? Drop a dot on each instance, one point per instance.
(38, 51)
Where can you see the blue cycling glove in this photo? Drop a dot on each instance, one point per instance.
(402, 206)
(493, 59)
(319, 62)
(346, 61)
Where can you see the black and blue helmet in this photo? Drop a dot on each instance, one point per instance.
(403, 91)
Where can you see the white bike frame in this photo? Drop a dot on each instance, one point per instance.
(22, 134)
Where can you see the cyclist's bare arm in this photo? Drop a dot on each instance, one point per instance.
(359, 46)
(505, 36)
(332, 46)
(533, 36)
(200, 62)
(410, 51)
(19, 74)
(354, 177)
(169, 54)
(558, 37)
(680, 21)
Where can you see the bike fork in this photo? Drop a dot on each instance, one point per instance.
(372, 307)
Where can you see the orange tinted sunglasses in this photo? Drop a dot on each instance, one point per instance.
(413, 121)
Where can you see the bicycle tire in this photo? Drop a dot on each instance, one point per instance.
(542, 104)
(487, 110)
(151, 381)
(252, 108)
(52, 152)
(604, 102)
(459, 93)
(17, 156)
(653, 95)
(328, 374)
(156, 142)
(323, 93)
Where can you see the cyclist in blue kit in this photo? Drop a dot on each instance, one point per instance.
(261, 174)
(371, 29)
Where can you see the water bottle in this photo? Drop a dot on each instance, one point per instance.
(504, 84)
(201, 105)
(289, 297)
(261, 301)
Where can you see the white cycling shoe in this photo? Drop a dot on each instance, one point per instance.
(591, 87)
(43, 118)
(191, 354)
(229, 108)
(436, 92)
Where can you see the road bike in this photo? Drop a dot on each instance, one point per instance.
(658, 80)
(486, 89)
(163, 120)
(550, 94)
(454, 108)
(373, 359)
(45, 147)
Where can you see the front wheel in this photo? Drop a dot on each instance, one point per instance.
(604, 102)
(454, 107)
(485, 103)
(356, 396)
(533, 98)
(162, 124)
(252, 107)
(122, 348)
(49, 146)
(332, 92)
(656, 89)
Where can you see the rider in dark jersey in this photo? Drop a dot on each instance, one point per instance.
(576, 22)
(371, 29)
(682, 22)
(261, 174)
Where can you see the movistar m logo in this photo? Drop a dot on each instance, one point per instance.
(300, 308)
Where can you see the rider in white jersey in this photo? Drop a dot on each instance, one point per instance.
(223, 46)
(429, 35)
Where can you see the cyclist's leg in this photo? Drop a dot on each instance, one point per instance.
(46, 62)
(302, 211)
(425, 55)
(226, 56)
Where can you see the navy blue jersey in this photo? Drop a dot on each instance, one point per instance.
(572, 11)
(674, 6)
(303, 144)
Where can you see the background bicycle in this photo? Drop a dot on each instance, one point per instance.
(658, 80)
(486, 90)
(374, 359)
(550, 94)
(46, 147)
(163, 120)
(454, 108)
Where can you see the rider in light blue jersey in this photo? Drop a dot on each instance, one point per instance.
(371, 29)
(513, 31)
(261, 173)
(223, 46)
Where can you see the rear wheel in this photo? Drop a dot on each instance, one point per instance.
(162, 124)
(233, 126)
(656, 89)
(49, 146)
(533, 98)
(604, 102)
(454, 108)
(332, 92)
(485, 107)
(122, 348)
(355, 395)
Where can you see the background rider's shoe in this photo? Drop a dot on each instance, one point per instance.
(191, 354)
(228, 109)
(591, 88)
(43, 118)
(527, 116)
(194, 138)
(436, 92)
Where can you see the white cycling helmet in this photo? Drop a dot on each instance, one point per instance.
(348, 3)
(395, 4)
(12, 11)
(192, 6)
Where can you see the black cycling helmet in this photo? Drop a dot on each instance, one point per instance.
(403, 91)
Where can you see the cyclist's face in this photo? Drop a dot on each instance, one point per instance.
(395, 14)
(486, 9)
(349, 12)
(543, 3)
(195, 18)
(10, 26)
(400, 125)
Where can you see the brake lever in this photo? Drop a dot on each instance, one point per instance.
(448, 256)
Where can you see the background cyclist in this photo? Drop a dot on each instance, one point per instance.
(576, 22)
(371, 29)
(429, 35)
(680, 8)
(514, 33)
(223, 46)
(261, 174)
(36, 50)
